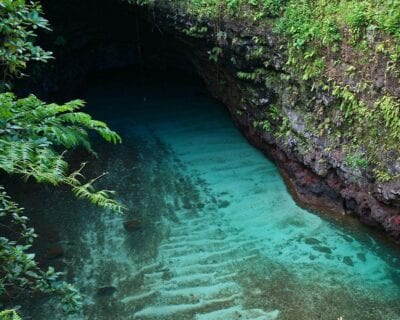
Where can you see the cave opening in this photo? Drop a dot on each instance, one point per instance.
(91, 38)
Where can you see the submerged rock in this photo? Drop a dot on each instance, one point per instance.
(323, 249)
(347, 260)
(55, 252)
(132, 225)
(312, 241)
(106, 291)
(361, 257)
(200, 205)
(223, 204)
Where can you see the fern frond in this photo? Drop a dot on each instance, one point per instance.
(101, 198)
(9, 315)
(109, 135)
(31, 131)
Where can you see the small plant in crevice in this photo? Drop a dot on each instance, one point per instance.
(215, 54)
(10, 314)
(264, 125)
(196, 31)
(255, 76)
(356, 161)
(383, 176)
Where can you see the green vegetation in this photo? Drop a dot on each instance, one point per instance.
(34, 137)
(31, 131)
(20, 272)
(196, 32)
(9, 315)
(215, 53)
(18, 22)
(356, 160)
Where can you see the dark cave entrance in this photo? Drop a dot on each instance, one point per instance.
(92, 37)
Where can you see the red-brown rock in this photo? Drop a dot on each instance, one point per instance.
(132, 225)
(55, 252)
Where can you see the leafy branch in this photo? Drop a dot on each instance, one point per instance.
(31, 133)
(19, 272)
(19, 20)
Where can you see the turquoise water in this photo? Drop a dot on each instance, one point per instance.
(220, 236)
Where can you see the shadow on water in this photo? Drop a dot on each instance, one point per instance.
(212, 232)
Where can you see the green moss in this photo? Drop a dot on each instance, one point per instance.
(356, 161)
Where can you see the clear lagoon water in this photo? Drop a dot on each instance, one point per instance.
(220, 237)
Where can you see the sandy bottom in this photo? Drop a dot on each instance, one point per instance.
(220, 237)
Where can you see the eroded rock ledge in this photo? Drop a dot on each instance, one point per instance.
(318, 176)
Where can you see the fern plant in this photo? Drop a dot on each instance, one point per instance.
(9, 315)
(31, 134)
(34, 137)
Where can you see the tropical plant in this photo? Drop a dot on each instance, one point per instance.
(20, 273)
(9, 315)
(19, 19)
(34, 137)
(31, 133)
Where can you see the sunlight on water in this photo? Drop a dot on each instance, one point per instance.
(220, 236)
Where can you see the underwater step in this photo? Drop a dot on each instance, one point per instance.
(139, 296)
(165, 311)
(238, 313)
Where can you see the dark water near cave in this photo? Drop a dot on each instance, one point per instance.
(220, 236)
